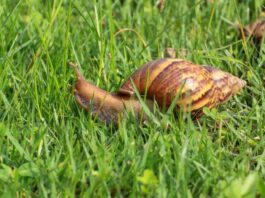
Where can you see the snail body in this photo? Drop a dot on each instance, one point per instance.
(102, 104)
(162, 80)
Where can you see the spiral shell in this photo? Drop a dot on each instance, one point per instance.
(255, 29)
(195, 86)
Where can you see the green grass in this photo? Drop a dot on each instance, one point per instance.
(49, 147)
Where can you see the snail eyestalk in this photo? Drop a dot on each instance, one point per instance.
(75, 67)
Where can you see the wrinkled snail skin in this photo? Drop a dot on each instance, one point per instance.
(107, 106)
(161, 80)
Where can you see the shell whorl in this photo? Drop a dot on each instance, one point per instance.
(197, 86)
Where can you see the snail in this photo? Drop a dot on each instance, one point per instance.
(255, 29)
(162, 80)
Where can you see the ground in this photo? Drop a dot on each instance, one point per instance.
(49, 147)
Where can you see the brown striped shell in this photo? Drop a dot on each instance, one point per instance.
(197, 86)
(255, 29)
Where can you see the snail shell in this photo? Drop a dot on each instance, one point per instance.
(197, 86)
(255, 29)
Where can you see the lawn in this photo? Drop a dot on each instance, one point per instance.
(49, 147)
